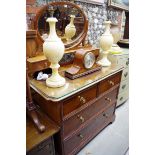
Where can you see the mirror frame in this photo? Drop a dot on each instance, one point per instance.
(80, 39)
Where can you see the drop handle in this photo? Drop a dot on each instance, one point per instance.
(123, 86)
(107, 99)
(126, 74)
(81, 136)
(82, 99)
(46, 64)
(105, 115)
(111, 83)
(81, 118)
(121, 98)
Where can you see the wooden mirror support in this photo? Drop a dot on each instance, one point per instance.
(31, 108)
(79, 39)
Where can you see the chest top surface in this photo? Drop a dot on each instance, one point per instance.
(72, 86)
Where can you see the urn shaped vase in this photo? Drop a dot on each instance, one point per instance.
(70, 29)
(106, 41)
(53, 49)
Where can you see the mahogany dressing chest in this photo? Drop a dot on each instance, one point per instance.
(84, 106)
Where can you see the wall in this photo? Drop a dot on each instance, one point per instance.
(96, 14)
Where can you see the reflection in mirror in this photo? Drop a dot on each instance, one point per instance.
(65, 15)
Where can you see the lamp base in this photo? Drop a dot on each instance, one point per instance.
(55, 82)
(104, 60)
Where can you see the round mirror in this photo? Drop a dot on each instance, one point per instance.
(72, 23)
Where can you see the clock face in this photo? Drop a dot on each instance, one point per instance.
(89, 60)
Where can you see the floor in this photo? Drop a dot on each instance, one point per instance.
(114, 139)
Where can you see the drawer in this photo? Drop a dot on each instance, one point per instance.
(77, 101)
(124, 85)
(122, 97)
(109, 83)
(37, 66)
(74, 122)
(125, 74)
(44, 148)
(124, 61)
(77, 141)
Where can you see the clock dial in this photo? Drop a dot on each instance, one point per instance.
(89, 60)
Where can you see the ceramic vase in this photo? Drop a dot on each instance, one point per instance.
(106, 41)
(53, 49)
(115, 31)
(70, 29)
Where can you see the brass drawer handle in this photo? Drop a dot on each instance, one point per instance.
(82, 99)
(126, 74)
(108, 99)
(111, 83)
(121, 98)
(105, 115)
(81, 136)
(123, 86)
(81, 118)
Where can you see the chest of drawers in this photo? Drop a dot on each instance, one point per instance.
(82, 108)
(122, 59)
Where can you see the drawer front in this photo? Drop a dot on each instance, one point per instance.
(44, 148)
(124, 85)
(82, 137)
(37, 66)
(109, 82)
(122, 97)
(125, 74)
(74, 122)
(79, 100)
(124, 61)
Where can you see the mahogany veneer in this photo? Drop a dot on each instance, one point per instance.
(83, 115)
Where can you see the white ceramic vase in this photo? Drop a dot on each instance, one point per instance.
(70, 29)
(53, 49)
(106, 41)
(116, 33)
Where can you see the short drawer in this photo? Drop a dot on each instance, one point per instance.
(74, 122)
(125, 74)
(122, 97)
(109, 83)
(37, 66)
(77, 101)
(124, 85)
(87, 133)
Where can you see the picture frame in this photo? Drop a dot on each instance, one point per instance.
(121, 4)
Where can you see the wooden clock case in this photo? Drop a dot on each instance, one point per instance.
(78, 69)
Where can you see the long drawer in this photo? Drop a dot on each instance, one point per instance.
(124, 86)
(125, 74)
(109, 83)
(77, 141)
(78, 119)
(80, 99)
(124, 61)
(122, 97)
